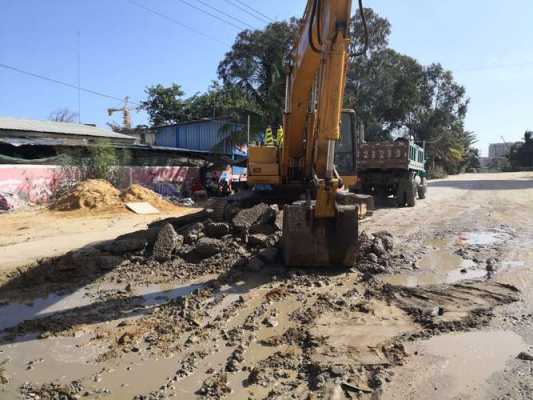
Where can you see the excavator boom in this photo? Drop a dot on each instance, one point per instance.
(320, 230)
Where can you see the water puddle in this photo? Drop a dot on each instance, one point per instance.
(55, 359)
(480, 238)
(12, 314)
(454, 365)
(439, 266)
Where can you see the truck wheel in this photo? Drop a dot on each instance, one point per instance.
(410, 193)
(422, 189)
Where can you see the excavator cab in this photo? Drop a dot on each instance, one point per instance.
(346, 149)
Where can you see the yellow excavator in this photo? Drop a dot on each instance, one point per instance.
(320, 226)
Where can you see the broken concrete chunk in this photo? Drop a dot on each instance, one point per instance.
(127, 245)
(525, 356)
(217, 229)
(278, 222)
(108, 262)
(378, 247)
(264, 229)
(255, 264)
(386, 238)
(258, 214)
(258, 240)
(207, 247)
(269, 255)
(166, 242)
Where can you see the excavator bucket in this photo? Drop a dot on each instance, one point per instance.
(312, 242)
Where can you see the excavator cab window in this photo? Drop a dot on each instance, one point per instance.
(345, 148)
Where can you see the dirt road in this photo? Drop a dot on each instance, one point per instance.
(30, 235)
(438, 307)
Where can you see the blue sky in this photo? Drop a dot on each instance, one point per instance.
(487, 44)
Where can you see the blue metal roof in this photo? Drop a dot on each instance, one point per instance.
(204, 135)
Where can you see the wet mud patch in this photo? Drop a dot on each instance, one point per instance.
(359, 338)
(452, 366)
(451, 258)
(452, 307)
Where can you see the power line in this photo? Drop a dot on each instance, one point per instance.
(239, 28)
(254, 10)
(225, 14)
(45, 78)
(175, 21)
(246, 11)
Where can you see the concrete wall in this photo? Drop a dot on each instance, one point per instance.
(37, 183)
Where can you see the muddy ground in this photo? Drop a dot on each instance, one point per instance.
(439, 306)
(31, 234)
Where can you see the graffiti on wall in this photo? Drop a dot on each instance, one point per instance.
(37, 183)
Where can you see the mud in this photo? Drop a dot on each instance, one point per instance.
(414, 314)
(443, 364)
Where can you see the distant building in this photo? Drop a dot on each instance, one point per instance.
(18, 130)
(499, 150)
(208, 135)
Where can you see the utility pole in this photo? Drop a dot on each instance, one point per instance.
(79, 77)
(248, 131)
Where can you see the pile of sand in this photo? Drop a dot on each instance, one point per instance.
(137, 193)
(93, 194)
(100, 195)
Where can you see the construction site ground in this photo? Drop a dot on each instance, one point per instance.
(32, 234)
(440, 306)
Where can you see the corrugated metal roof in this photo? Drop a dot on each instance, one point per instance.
(64, 128)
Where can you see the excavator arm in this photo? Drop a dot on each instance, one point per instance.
(322, 229)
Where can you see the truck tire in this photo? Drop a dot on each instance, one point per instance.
(422, 189)
(410, 193)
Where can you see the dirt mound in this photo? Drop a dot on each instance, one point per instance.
(93, 194)
(136, 193)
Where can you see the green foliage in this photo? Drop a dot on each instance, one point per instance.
(99, 161)
(471, 160)
(437, 173)
(521, 154)
(257, 66)
(165, 105)
(392, 93)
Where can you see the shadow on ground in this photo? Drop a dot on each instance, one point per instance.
(503, 184)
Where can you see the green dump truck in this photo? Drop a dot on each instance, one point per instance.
(394, 169)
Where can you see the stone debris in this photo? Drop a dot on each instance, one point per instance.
(167, 241)
(207, 247)
(259, 214)
(524, 356)
(217, 230)
(376, 253)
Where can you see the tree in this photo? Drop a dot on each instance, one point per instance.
(384, 89)
(471, 161)
(165, 105)
(521, 154)
(63, 115)
(378, 28)
(257, 65)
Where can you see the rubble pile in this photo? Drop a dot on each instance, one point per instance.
(376, 253)
(170, 250)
